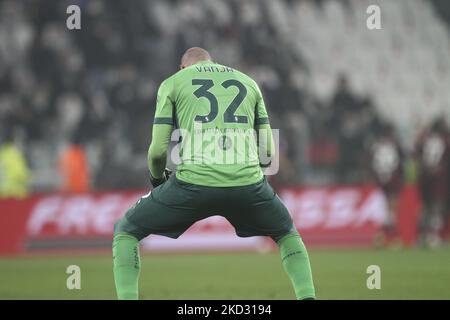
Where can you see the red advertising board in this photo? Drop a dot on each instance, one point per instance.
(324, 216)
(332, 216)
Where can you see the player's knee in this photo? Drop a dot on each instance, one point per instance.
(117, 226)
(282, 235)
(123, 226)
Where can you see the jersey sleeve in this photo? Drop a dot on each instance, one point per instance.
(162, 128)
(157, 152)
(261, 116)
(164, 104)
(266, 146)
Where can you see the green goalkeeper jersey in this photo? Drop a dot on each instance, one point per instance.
(216, 109)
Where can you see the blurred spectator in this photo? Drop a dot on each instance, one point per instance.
(74, 169)
(351, 119)
(433, 154)
(386, 159)
(14, 172)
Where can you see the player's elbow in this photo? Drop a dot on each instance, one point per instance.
(156, 155)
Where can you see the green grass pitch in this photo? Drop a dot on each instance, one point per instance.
(338, 274)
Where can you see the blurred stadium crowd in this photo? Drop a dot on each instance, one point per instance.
(353, 105)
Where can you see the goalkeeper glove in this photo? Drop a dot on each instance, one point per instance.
(159, 181)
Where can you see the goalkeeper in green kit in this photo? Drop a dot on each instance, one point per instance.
(217, 110)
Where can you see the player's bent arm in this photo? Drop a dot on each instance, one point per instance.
(157, 152)
(266, 145)
(162, 129)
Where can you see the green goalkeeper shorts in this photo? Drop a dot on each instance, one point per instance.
(170, 209)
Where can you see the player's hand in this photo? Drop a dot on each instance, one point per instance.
(167, 173)
(157, 182)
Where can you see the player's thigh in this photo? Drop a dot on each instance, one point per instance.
(262, 214)
(168, 210)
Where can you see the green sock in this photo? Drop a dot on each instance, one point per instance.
(296, 264)
(126, 266)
